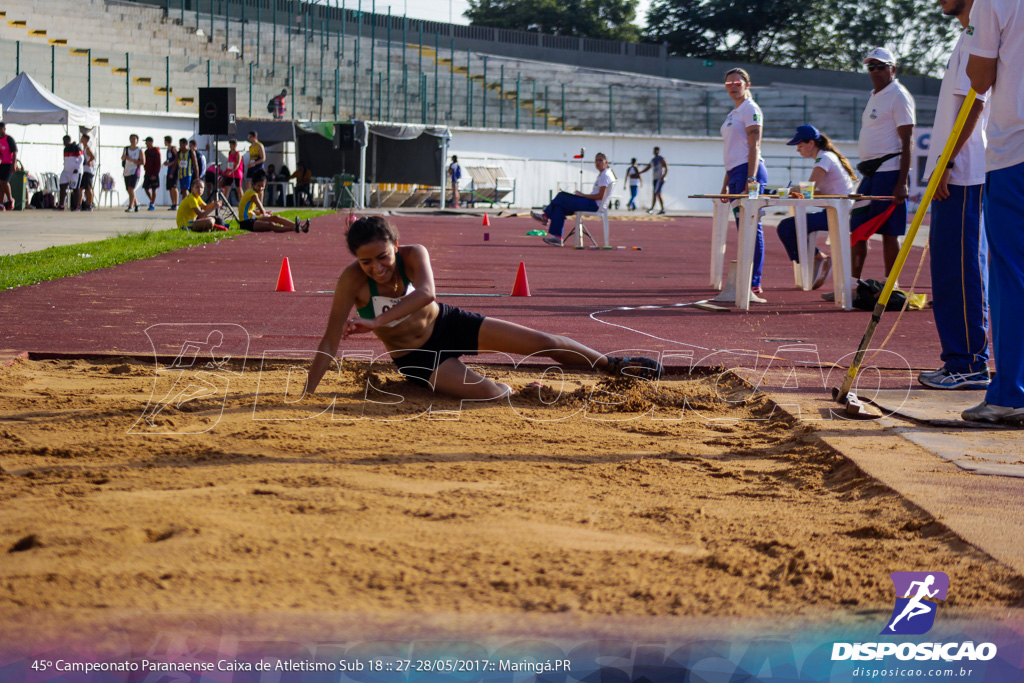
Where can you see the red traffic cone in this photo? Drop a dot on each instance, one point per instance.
(284, 280)
(487, 221)
(521, 287)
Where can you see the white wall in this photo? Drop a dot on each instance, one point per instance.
(541, 161)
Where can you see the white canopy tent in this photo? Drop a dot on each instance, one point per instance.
(25, 100)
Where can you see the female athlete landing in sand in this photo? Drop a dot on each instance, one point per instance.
(392, 290)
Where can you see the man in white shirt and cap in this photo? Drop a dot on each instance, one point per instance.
(886, 134)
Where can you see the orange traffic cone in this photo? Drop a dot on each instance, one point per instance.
(487, 221)
(284, 280)
(521, 287)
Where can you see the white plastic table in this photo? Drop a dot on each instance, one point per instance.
(838, 211)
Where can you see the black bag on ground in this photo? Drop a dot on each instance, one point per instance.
(867, 168)
(868, 292)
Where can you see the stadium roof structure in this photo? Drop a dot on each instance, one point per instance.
(26, 101)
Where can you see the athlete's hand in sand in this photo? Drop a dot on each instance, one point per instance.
(358, 326)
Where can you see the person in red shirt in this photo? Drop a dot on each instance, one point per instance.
(8, 158)
(281, 104)
(151, 164)
(231, 176)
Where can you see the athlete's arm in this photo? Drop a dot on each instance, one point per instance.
(754, 145)
(942, 189)
(982, 72)
(344, 299)
(902, 189)
(417, 267)
(664, 168)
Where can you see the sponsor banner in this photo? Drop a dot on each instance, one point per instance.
(987, 651)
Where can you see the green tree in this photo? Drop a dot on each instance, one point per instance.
(608, 19)
(823, 34)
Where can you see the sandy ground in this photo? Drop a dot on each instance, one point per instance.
(613, 499)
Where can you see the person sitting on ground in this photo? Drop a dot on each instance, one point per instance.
(392, 289)
(254, 218)
(832, 174)
(194, 214)
(565, 204)
(303, 180)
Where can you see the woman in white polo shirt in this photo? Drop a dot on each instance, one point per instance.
(832, 174)
(741, 133)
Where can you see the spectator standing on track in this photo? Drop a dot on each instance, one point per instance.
(172, 171)
(995, 42)
(454, 175)
(565, 204)
(151, 168)
(634, 182)
(886, 132)
(188, 168)
(959, 250)
(832, 174)
(8, 159)
(659, 171)
(132, 160)
(257, 157)
(204, 171)
(303, 178)
(269, 196)
(741, 133)
(88, 172)
(232, 176)
(71, 176)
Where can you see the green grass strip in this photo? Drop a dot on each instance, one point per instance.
(53, 263)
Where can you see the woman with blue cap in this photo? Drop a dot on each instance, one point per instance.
(832, 174)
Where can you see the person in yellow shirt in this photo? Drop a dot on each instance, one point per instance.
(257, 158)
(254, 218)
(194, 214)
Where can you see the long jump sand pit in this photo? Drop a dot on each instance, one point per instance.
(128, 489)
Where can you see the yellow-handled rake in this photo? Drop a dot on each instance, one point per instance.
(844, 394)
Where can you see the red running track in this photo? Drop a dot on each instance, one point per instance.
(231, 283)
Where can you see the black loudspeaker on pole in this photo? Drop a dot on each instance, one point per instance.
(216, 111)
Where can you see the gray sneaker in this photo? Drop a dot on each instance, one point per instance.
(987, 412)
(945, 379)
(930, 374)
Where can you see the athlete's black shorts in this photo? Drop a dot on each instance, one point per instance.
(249, 225)
(172, 180)
(130, 181)
(5, 172)
(456, 333)
(86, 183)
(151, 182)
(252, 171)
